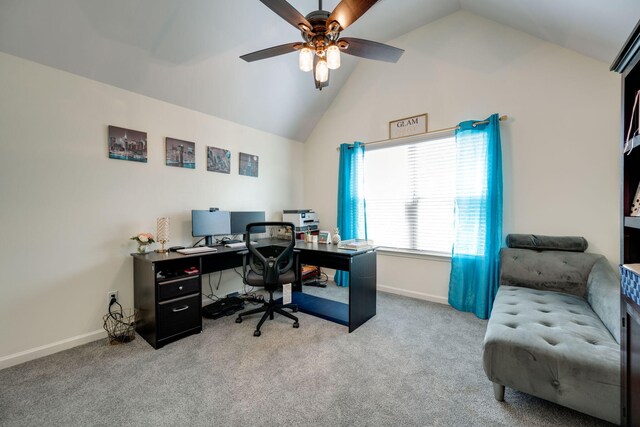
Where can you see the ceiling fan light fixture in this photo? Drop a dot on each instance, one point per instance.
(321, 44)
(333, 57)
(305, 60)
(322, 71)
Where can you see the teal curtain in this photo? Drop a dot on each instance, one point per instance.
(473, 282)
(351, 205)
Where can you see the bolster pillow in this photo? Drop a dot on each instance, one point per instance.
(547, 243)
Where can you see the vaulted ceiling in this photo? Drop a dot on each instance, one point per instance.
(186, 52)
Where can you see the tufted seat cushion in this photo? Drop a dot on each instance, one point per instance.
(553, 345)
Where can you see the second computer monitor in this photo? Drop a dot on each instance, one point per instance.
(239, 221)
(210, 223)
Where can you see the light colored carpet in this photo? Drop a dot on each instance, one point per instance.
(414, 364)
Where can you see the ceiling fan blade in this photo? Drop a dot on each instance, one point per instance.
(289, 13)
(271, 52)
(348, 11)
(370, 49)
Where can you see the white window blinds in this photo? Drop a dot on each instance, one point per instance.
(409, 192)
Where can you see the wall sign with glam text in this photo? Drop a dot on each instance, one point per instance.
(414, 125)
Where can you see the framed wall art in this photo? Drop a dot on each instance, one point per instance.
(181, 154)
(127, 144)
(248, 165)
(409, 126)
(218, 160)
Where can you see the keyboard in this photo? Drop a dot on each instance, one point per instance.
(239, 244)
(236, 245)
(188, 251)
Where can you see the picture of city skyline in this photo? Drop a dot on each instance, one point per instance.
(127, 144)
(218, 160)
(180, 153)
(248, 164)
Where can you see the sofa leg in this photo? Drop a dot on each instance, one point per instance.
(498, 392)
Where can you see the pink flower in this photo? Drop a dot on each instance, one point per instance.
(144, 238)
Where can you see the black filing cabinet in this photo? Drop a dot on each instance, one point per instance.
(167, 294)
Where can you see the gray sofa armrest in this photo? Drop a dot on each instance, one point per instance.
(603, 295)
(558, 271)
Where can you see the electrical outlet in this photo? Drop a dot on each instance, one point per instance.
(110, 295)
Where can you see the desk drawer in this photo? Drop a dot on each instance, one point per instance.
(177, 288)
(178, 315)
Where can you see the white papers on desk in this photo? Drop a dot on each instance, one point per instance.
(286, 293)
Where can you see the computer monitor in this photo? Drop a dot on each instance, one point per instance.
(210, 223)
(239, 221)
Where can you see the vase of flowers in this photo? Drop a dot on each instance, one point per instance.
(143, 240)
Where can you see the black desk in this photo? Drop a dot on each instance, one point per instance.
(169, 301)
(361, 266)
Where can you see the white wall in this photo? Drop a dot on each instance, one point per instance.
(67, 210)
(560, 144)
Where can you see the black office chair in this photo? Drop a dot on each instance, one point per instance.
(271, 268)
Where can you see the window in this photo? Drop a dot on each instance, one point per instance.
(409, 191)
(473, 171)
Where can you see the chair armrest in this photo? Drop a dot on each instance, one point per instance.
(243, 252)
(603, 295)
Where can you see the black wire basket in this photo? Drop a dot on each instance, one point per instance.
(120, 325)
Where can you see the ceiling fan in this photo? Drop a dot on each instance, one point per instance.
(320, 50)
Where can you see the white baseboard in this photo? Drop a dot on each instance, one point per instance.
(45, 350)
(413, 294)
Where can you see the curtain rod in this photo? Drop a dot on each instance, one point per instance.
(449, 129)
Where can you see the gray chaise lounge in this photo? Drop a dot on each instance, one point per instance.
(554, 328)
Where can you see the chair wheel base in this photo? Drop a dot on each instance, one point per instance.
(256, 333)
(239, 320)
(296, 325)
